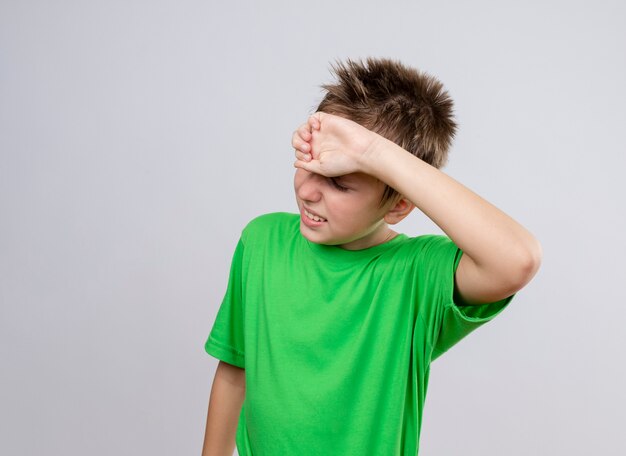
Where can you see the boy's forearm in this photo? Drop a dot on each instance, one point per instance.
(227, 396)
(492, 239)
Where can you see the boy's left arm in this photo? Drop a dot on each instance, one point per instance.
(499, 255)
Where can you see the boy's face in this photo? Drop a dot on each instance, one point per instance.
(352, 217)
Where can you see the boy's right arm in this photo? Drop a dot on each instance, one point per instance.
(227, 396)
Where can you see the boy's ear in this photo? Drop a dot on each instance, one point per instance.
(399, 210)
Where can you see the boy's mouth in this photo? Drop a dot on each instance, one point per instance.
(311, 216)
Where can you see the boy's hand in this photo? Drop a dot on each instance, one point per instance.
(332, 145)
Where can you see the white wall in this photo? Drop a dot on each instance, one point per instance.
(138, 137)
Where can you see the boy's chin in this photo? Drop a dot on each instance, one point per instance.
(306, 232)
(316, 238)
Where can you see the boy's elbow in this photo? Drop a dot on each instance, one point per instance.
(532, 258)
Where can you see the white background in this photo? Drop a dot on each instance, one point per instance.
(137, 138)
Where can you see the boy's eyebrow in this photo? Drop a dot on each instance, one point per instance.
(345, 177)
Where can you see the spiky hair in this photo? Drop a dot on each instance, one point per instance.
(404, 105)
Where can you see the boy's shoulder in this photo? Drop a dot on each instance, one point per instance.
(271, 222)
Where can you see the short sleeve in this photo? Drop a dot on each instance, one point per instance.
(226, 339)
(448, 321)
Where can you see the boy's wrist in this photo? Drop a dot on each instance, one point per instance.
(372, 160)
(371, 155)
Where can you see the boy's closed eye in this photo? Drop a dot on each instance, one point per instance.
(337, 185)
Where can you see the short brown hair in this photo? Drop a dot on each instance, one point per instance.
(398, 102)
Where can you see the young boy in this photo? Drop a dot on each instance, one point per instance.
(331, 319)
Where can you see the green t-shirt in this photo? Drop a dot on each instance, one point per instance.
(336, 343)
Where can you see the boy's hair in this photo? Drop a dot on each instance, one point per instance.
(400, 103)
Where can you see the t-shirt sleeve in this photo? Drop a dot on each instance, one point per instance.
(226, 339)
(448, 321)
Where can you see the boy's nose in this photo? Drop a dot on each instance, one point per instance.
(310, 186)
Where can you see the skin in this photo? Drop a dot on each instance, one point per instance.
(499, 255)
(228, 393)
(346, 197)
(350, 205)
